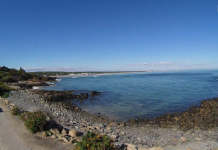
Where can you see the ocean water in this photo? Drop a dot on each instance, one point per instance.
(146, 95)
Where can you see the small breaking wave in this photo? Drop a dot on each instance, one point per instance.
(50, 83)
(58, 79)
(35, 87)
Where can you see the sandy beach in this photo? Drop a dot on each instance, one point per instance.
(98, 74)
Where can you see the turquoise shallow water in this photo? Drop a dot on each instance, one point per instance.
(147, 95)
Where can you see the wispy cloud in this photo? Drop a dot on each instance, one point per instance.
(55, 61)
(185, 62)
(161, 63)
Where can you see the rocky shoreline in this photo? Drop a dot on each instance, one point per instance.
(165, 131)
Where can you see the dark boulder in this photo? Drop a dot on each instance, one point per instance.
(94, 93)
(55, 96)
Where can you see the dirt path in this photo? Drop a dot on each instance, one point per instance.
(8, 137)
(15, 136)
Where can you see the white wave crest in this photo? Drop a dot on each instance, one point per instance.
(35, 87)
(58, 79)
(50, 83)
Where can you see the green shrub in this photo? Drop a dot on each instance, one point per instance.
(15, 111)
(23, 77)
(34, 121)
(8, 79)
(13, 72)
(3, 74)
(23, 116)
(4, 88)
(5, 95)
(3, 68)
(92, 141)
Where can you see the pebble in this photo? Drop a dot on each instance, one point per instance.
(198, 139)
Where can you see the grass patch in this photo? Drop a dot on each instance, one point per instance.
(92, 141)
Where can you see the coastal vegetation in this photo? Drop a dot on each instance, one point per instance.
(34, 121)
(15, 111)
(10, 75)
(92, 141)
(6, 94)
(13, 75)
(4, 89)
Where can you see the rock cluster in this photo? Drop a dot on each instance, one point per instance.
(26, 84)
(203, 117)
(68, 136)
(54, 96)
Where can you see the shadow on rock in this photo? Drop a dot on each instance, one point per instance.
(49, 125)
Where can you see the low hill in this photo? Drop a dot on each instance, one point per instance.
(13, 75)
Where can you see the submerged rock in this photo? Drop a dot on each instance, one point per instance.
(55, 96)
(94, 93)
(84, 95)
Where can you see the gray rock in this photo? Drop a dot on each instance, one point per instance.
(101, 125)
(139, 139)
(115, 124)
(114, 136)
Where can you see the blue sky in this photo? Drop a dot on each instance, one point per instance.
(109, 35)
